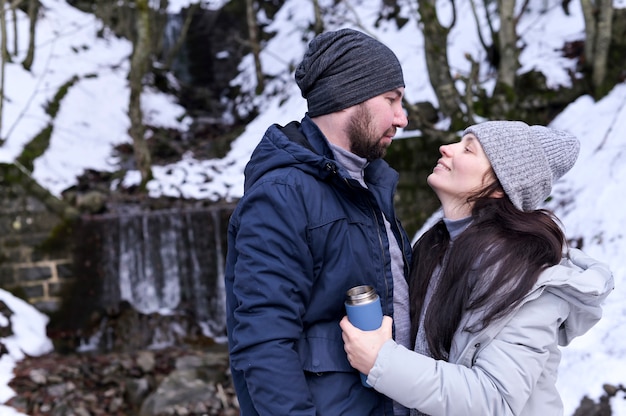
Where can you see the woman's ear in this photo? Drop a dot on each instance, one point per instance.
(498, 194)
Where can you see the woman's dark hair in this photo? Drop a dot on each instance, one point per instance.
(490, 266)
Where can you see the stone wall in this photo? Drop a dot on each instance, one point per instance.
(33, 266)
(39, 282)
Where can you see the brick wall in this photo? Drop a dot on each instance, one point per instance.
(31, 266)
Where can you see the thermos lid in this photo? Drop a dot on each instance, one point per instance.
(360, 294)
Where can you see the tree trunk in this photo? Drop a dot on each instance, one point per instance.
(598, 26)
(158, 24)
(590, 30)
(253, 37)
(14, 5)
(508, 44)
(171, 54)
(318, 26)
(435, 45)
(138, 68)
(504, 97)
(602, 41)
(4, 58)
(33, 10)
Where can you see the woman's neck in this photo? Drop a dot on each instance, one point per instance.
(456, 210)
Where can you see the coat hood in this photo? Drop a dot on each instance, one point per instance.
(303, 146)
(280, 149)
(584, 283)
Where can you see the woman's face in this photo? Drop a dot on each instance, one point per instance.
(462, 170)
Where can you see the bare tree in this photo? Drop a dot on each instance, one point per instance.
(502, 54)
(435, 45)
(598, 26)
(138, 68)
(318, 26)
(507, 41)
(506, 61)
(173, 51)
(33, 10)
(253, 36)
(4, 58)
(14, 6)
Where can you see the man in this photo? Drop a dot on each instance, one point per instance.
(316, 219)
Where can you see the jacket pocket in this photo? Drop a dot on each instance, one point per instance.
(320, 354)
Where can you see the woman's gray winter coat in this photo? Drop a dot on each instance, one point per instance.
(511, 366)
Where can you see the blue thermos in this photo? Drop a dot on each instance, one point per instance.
(364, 311)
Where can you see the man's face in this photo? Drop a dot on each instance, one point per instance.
(374, 123)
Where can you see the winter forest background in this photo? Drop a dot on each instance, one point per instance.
(167, 99)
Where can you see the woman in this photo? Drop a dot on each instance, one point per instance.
(492, 296)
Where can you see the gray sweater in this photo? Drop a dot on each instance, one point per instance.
(355, 166)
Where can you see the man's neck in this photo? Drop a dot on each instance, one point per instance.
(333, 127)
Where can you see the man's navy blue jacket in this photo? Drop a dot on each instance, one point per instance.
(301, 236)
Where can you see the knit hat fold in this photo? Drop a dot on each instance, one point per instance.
(526, 159)
(344, 68)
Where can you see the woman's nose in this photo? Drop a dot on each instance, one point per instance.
(445, 150)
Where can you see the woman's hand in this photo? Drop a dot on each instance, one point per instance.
(362, 346)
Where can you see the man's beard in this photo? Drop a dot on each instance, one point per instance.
(363, 139)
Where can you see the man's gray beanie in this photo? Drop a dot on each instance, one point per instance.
(344, 68)
(526, 159)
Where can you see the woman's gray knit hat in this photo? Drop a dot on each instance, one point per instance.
(344, 68)
(526, 159)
